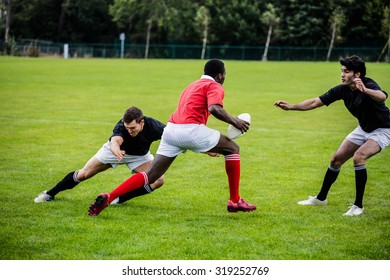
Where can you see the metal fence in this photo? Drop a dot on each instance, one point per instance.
(37, 48)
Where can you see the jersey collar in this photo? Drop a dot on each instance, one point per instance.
(207, 77)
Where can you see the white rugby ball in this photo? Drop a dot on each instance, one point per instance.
(234, 133)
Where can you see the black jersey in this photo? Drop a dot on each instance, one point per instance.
(140, 144)
(371, 114)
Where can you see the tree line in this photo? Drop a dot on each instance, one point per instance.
(216, 22)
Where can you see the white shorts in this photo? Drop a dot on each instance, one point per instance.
(380, 136)
(178, 138)
(104, 155)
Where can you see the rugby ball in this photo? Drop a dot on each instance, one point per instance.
(234, 133)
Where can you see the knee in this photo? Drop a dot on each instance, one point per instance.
(237, 149)
(359, 158)
(233, 148)
(84, 174)
(336, 162)
(81, 175)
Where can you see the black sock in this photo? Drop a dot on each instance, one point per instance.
(360, 183)
(137, 192)
(69, 182)
(329, 179)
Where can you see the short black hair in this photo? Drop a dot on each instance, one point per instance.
(131, 114)
(355, 64)
(213, 67)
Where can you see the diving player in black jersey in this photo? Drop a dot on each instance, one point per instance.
(129, 144)
(365, 100)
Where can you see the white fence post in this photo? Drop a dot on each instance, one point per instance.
(66, 51)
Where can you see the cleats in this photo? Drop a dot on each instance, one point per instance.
(354, 211)
(313, 201)
(241, 205)
(43, 197)
(99, 204)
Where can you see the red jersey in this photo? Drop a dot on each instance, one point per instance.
(194, 102)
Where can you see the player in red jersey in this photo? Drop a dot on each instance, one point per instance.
(187, 130)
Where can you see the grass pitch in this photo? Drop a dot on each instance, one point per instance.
(55, 114)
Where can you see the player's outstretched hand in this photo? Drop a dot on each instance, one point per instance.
(282, 104)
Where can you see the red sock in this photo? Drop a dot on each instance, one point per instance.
(232, 166)
(134, 182)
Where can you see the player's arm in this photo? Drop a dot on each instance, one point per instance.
(377, 95)
(221, 114)
(115, 147)
(306, 105)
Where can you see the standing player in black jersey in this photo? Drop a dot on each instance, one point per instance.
(365, 101)
(129, 144)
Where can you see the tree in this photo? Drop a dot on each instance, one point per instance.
(126, 13)
(202, 18)
(270, 18)
(363, 23)
(235, 22)
(337, 21)
(304, 22)
(62, 20)
(6, 7)
(83, 21)
(386, 31)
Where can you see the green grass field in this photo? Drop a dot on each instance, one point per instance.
(55, 114)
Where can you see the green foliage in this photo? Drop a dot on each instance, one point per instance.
(304, 23)
(55, 114)
(238, 22)
(62, 20)
(359, 17)
(235, 22)
(11, 47)
(270, 16)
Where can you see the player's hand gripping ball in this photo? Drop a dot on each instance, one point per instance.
(234, 133)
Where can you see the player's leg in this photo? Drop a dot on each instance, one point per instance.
(147, 189)
(343, 153)
(378, 140)
(72, 179)
(90, 169)
(159, 166)
(144, 168)
(98, 163)
(231, 151)
(367, 150)
(166, 154)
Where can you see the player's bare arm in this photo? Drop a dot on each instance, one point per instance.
(115, 144)
(306, 105)
(220, 113)
(377, 95)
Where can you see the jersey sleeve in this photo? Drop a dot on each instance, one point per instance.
(332, 95)
(118, 130)
(215, 94)
(371, 84)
